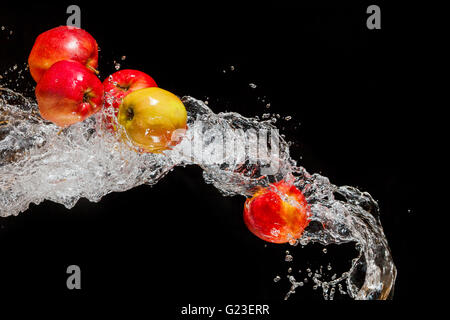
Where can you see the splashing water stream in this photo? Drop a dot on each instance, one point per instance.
(39, 162)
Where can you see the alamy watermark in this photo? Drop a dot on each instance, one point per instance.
(374, 20)
(74, 20)
(74, 278)
(226, 147)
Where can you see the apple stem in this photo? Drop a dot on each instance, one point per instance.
(93, 69)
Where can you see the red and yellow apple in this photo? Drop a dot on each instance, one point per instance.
(152, 117)
(62, 43)
(278, 213)
(121, 83)
(68, 93)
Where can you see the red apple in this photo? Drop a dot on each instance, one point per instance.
(278, 213)
(62, 43)
(122, 83)
(68, 93)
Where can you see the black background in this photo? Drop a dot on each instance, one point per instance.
(181, 241)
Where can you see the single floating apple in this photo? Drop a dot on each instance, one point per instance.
(122, 83)
(68, 93)
(278, 213)
(152, 118)
(62, 43)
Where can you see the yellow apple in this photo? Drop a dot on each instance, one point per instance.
(150, 118)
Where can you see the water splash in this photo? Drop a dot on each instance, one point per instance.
(38, 161)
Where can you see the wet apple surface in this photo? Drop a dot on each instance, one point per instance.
(151, 117)
(123, 82)
(68, 93)
(120, 84)
(62, 43)
(278, 213)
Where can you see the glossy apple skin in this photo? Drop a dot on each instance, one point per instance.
(68, 93)
(271, 218)
(62, 43)
(121, 83)
(150, 117)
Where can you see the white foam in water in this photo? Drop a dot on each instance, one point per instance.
(39, 162)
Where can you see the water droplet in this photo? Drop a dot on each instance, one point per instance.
(276, 279)
(275, 232)
(252, 85)
(324, 250)
(332, 293)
